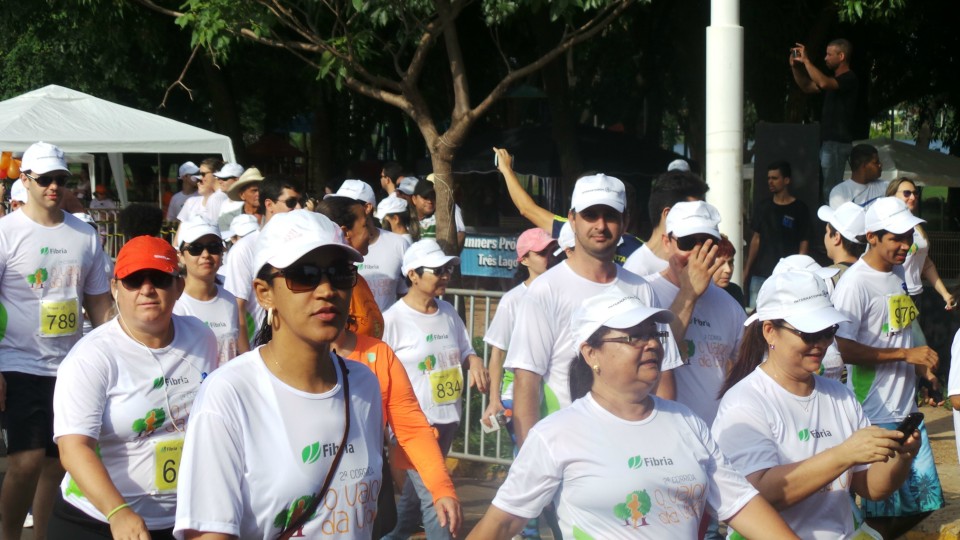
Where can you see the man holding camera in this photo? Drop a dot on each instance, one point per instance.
(839, 104)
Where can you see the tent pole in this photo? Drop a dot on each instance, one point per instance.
(159, 183)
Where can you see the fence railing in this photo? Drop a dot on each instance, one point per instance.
(477, 309)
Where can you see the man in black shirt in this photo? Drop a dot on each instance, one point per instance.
(781, 227)
(839, 105)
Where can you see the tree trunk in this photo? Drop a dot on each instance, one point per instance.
(442, 157)
(225, 113)
(321, 145)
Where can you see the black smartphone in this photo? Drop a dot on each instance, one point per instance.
(909, 425)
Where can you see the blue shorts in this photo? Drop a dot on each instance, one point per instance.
(919, 494)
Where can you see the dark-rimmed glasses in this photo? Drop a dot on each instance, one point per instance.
(213, 248)
(814, 337)
(45, 180)
(640, 339)
(159, 280)
(307, 277)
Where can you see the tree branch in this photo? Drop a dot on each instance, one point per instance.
(162, 10)
(458, 72)
(179, 81)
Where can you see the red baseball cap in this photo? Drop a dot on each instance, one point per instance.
(145, 253)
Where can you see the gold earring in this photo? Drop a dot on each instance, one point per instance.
(270, 317)
(596, 368)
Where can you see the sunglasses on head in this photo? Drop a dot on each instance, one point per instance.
(160, 280)
(814, 337)
(307, 277)
(213, 248)
(687, 243)
(445, 270)
(45, 180)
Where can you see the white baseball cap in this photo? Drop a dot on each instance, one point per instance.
(42, 158)
(848, 219)
(566, 239)
(390, 205)
(229, 170)
(357, 190)
(598, 189)
(291, 235)
(678, 165)
(613, 308)
(804, 263)
(799, 298)
(188, 169)
(890, 214)
(197, 227)
(408, 184)
(18, 192)
(693, 217)
(425, 253)
(242, 225)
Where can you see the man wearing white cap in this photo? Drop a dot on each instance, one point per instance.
(227, 176)
(51, 265)
(18, 195)
(541, 342)
(845, 226)
(187, 173)
(210, 198)
(882, 361)
(381, 265)
(709, 322)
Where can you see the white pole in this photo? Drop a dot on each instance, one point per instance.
(724, 167)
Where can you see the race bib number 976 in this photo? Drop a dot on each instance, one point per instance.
(902, 311)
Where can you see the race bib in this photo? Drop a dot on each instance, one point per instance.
(167, 464)
(901, 312)
(59, 318)
(446, 385)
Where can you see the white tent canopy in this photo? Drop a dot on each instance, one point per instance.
(926, 167)
(81, 123)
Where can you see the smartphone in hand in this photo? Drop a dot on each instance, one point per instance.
(909, 425)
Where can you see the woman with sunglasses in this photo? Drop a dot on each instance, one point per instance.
(201, 253)
(285, 440)
(122, 403)
(801, 439)
(621, 462)
(431, 340)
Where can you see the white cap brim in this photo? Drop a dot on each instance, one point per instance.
(430, 261)
(811, 321)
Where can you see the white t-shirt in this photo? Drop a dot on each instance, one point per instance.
(886, 391)
(135, 402)
(433, 348)
(44, 274)
(239, 281)
(644, 262)
(712, 339)
(862, 194)
(913, 265)
(760, 425)
(498, 333)
(220, 315)
(541, 341)
(210, 210)
(259, 449)
(381, 268)
(176, 203)
(953, 385)
(614, 478)
(428, 225)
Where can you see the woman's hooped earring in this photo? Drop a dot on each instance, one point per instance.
(596, 368)
(270, 317)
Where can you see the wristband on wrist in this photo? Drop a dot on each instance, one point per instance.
(117, 509)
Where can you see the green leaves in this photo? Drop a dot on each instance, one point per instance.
(854, 10)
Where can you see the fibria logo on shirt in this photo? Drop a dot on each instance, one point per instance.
(52, 251)
(639, 461)
(431, 337)
(312, 452)
(805, 434)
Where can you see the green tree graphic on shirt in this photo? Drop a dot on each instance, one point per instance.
(428, 364)
(37, 278)
(289, 515)
(579, 534)
(149, 423)
(635, 508)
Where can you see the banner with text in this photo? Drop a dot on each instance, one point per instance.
(489, 255)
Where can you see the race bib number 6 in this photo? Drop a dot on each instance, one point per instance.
(59, 317)
(167, 460)
(902, 311)
(446, 385)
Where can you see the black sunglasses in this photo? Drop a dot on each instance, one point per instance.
(160, 280)
(307, 277)
(292, 202)
(688, 243)
(445, 270)
(45, 181)
(812, 338)
(641, 339)
(907, 193)
(213, 248)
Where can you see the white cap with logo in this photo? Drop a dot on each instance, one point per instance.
(598, 189)
(799, 298)
(890, 214)
(693, 217)
(425, 253)
(42, 158)
(804, 263)
(357, 190)
(848, 219)
(613, 308)
(291, 235)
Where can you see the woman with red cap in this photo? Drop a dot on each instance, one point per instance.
(122, 401)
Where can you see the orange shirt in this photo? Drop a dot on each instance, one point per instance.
(365, 317)
(416, 437)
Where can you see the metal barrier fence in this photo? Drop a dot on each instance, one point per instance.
(477, 309)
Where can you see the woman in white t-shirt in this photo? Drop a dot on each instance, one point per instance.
(286, 439)
(801, 439)
(201, 252)
(431, 341)
(620, 462)
(122, 401)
